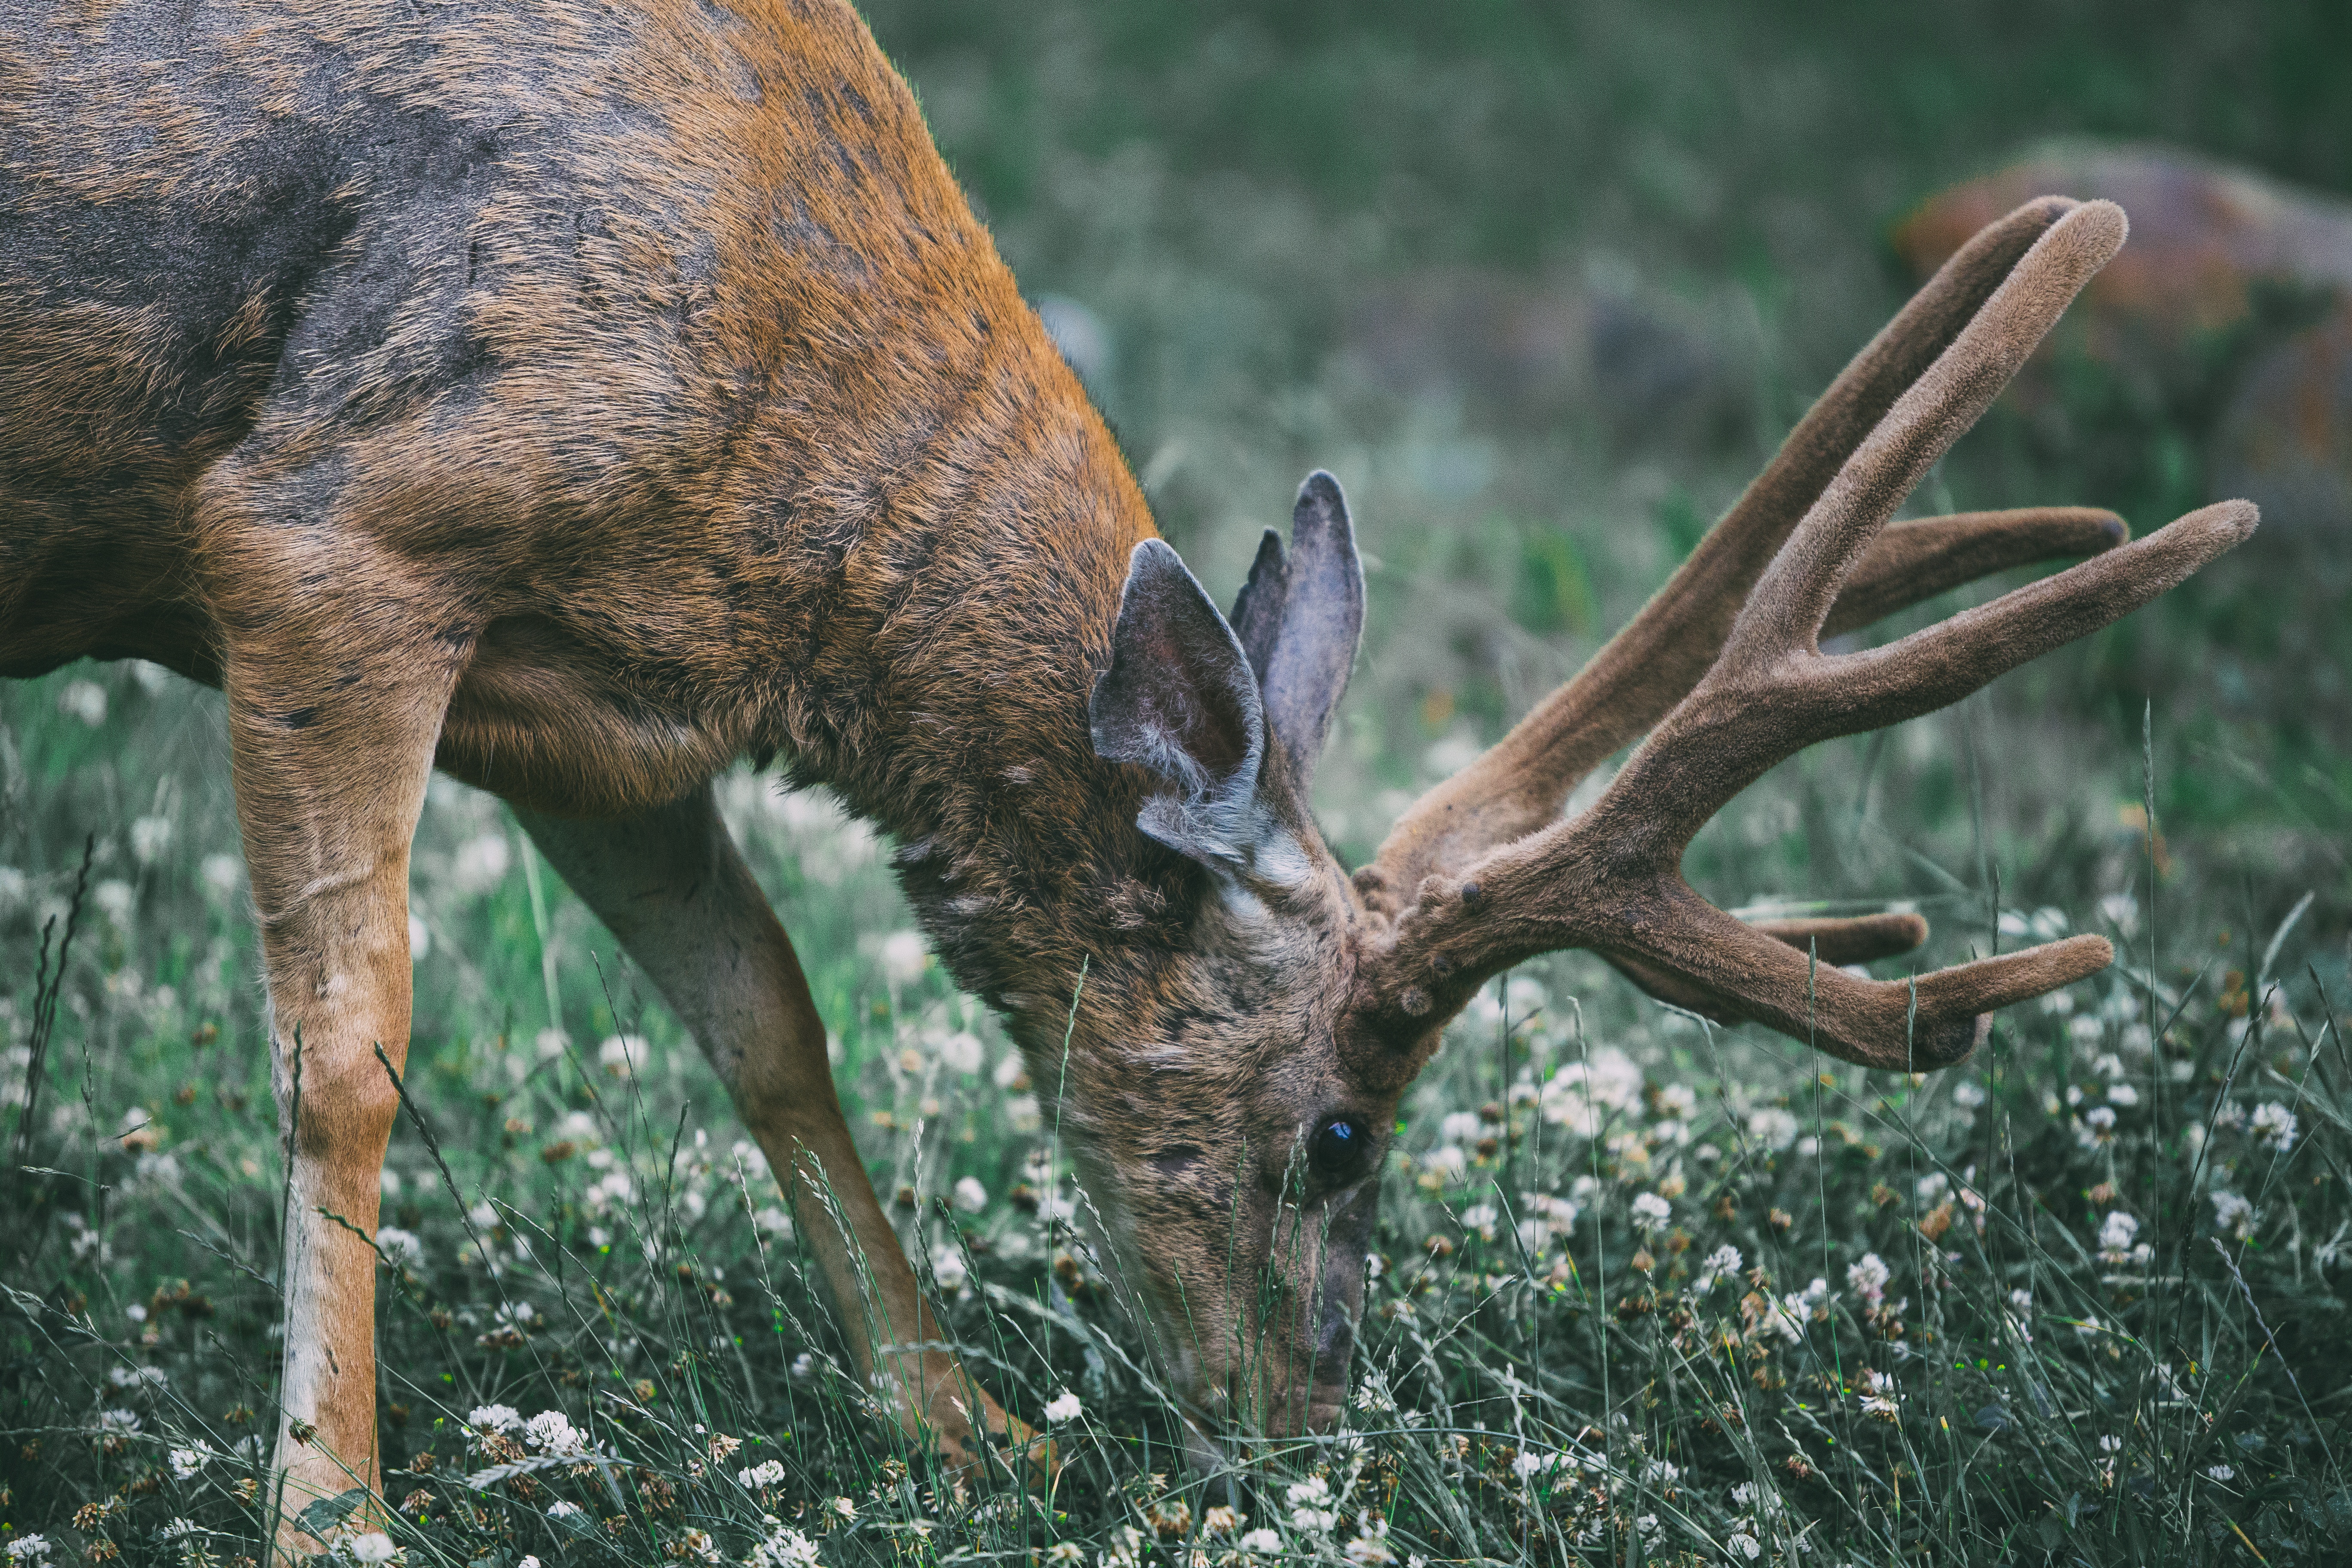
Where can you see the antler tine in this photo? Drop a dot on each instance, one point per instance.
(1611, 880)
(1520, 784)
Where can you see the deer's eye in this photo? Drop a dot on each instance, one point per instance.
(1340, 1150)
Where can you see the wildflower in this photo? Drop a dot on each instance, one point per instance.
(622, 1055)
(559, 1508)
(2122, 1094)
(1313, 1489)
(489, 1418)
(2117, 1234)
(903, 958)
(1745, 1545)
(526, 1562)
(961, 1052)
(969, 1195)
(1481, 1218)
(2274, 1126)
(1260, 1542)
(1066, 1552)
(774, 1221)
(1370, 1548)
(1063, 1407)
(1677, 1100)
(375, 1546)
(1931, 1186)
(118, 1422)
(768, 1474)
(948, 1268)
(186, 1462)
(842, 1508)
(2021, 1301)
(1878, 1396)
(1445, 1163)
(1868, 1279)
(1772, 1127)
(2111, 1444)
(1221, 1520)
(1372, 1393)
(1967, 1094)
(2214, 1473)
(1651, 1211)
(2232, 1214)
(551, 1432)
(1721, 1264)
(34, 1549)
(1461, 1127)
(400, 1247)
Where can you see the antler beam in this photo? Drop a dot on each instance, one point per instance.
(1611, 880)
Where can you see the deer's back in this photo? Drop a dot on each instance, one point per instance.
(601, 317)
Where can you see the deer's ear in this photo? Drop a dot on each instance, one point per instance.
(1300, 620)
(1179, 698)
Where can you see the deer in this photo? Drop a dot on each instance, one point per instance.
(578, 399)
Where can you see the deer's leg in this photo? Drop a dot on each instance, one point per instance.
(331, 747)
(672, 887)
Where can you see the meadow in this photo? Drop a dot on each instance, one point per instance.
(1543, 289)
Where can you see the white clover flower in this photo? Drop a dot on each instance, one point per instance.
(961, 1052)
(1868, 1279)
(1651, 1211)
(768, 1473)
(1481, 1218)
(1314, 1520)
(2117, 1233)
(149, 837)
(2086, 1029)
(551, 1432)
(1967, 1094)
(400, 1247)
(1879, 1398)
(1677, 1100)
(1774, 1128)
(1370, 1551)
(2232, 1214)
(903, 958)
(1721, 1264)
(1313, 1489)
(2220, 1473)
(85, 700)
(559, 1508)
(494, 1417)
(1743, 1544)
(186, 1462)
(1461, 1127)
(1063, 1407)
(948, 1268)
(1931, 1186)
(1447, 1163)
(2274, 1126)
(34, 1549)
(374, 1546)
(622, 1055)
(527, 1561)
(1259, 1543)
(784, 1547)
(2122, 1094)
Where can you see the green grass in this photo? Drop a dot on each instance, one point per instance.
(1224, 190)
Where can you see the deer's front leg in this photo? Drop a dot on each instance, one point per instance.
(672, 887)
(331, 752)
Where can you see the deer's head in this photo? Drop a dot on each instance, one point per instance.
(1234, 1132)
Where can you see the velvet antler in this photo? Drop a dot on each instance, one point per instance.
(1479, 875)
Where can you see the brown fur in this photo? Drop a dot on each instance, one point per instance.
(578, 397)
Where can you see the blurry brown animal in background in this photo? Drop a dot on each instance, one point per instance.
(578, 398)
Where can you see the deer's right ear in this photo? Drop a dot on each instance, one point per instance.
(1181, 699)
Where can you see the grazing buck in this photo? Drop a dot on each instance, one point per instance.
(577, 397)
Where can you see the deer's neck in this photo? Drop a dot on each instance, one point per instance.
(943, 680)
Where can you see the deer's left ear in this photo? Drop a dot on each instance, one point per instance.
(1300, 620)
(1179, 698)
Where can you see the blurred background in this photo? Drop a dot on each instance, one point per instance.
(1545, 285)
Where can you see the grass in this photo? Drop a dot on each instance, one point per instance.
(1560, 1364)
